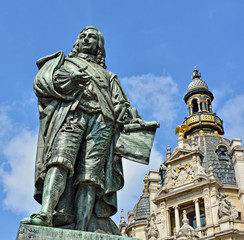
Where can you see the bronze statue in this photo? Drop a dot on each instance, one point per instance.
(86, 124)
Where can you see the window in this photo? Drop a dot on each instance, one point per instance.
(192, 219)
(195, 106)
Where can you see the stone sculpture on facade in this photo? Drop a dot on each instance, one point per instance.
(151, 228)
(226, 210)
(86, 126)
(130, 216)
(186, 232)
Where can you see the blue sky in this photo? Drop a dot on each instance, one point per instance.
(152, 46)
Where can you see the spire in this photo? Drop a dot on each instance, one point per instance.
(146, 186)
(168, 151)
(122, 224)
(196, 74)
(122, 217)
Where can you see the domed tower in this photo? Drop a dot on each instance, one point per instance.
(202, 180)
(207, 129)
(199, 101)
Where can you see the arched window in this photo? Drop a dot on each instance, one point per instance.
(195, 106)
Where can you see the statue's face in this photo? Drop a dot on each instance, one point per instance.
(88, 42)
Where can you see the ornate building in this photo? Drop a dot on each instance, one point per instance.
(199, 192)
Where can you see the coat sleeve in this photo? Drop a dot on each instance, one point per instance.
(119, 98)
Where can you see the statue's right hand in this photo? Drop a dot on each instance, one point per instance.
(80, 76)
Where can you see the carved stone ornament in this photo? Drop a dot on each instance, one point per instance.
(130, 216)
(225, 209)
(182, 174)
(186, 232)
(151, 228)
(207, 202)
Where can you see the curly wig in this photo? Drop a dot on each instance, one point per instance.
(101, 54)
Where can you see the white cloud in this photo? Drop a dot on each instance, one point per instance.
(5, 122)
(232, 113)
(156, 95)
(134, 174)
(17, 171)
(220, 96)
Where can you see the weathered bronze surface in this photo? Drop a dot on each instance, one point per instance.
(47, 233)
(86, 126)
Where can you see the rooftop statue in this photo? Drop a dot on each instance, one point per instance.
(86, 126)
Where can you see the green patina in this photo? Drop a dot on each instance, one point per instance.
(86, 126)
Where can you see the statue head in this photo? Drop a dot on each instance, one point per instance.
(79, 45)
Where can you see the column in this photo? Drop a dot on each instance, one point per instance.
(197, 212)
(203, 105)
(191, 108)
(168, 222)
(210, 108)
(199, 105)
(206, 104)
(177, 218)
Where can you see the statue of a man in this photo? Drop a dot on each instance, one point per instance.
(82, 109)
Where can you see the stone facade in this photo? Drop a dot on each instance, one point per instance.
(199, 192)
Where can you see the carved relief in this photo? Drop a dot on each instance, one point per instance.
(182, 174)
(207, 203)
(168, 183)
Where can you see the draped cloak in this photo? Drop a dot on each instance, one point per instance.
(53, 110)
(134, 143)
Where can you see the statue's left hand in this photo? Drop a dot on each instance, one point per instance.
(138, 120)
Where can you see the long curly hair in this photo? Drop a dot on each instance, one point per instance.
(101, 54)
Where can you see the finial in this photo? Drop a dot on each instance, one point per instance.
(168, 151)
(211, 172)
(185, 219)
(196, 74)
(122, 217)
(146, 186)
